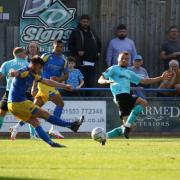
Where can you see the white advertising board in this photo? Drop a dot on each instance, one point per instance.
(94, 112)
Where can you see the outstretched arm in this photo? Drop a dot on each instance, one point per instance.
(165, 76)
(56, 84)
(64, 77)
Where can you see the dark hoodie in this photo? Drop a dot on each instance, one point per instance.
(86, 41)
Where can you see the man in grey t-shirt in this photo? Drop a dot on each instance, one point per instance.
(171, 48)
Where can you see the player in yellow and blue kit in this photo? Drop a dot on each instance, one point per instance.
(119, 78)
(26, 110)
(55, 68)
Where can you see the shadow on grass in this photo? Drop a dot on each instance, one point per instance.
(17, 178)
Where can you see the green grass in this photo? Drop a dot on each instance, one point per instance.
(84, 159)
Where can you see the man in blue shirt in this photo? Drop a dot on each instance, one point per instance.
(18, 62)
(119, 44)
(119, 78)
(26, 110)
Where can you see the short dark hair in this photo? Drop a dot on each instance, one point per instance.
(37, 60)
(121, 26)
(85, 16)
(57, 41)
(71, 59)
(18, 50)
(173, 27)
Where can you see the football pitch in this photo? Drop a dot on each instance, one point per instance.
(85, 159)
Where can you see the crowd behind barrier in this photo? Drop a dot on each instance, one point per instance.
(108, 89)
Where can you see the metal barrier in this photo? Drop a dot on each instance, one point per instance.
(108, 89)
(161, 116)
(132, 88)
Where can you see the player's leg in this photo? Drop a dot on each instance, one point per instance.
(37, 101)
(58, 101)
(3, 108)
(119, 131)
(140, 103)
(26, 111)
(2, 114)
(74, 126)
(14, 129)
(32, 131)
(42, 134)
(47, 93)
(3, 111)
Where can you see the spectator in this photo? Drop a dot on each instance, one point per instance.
(32, 50)
(76, 79)
(174, 82)
(171, 48)
(138, 69)
(119, 44)
(84, 45)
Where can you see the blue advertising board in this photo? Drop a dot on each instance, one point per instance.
(162, 115)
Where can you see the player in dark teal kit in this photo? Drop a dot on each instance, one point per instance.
(119, 78)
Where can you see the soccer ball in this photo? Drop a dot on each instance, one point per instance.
(98, 134)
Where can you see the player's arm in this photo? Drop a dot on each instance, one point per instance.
(3, 71)
(168, 83)
(103, 80)
(34, 89)
(52, 83)
(64, 77)
(165, 76)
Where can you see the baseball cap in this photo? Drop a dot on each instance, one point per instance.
(137, 57)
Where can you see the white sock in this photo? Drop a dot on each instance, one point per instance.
(53, 127)
(17, 126)
(128, 125)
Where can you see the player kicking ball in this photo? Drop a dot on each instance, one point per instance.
(119, 78)
(26, 110)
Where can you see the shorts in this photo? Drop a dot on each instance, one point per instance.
(126, 103)
(23, 110)
(4, 100)
(45, 92)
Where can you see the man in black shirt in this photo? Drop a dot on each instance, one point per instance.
(171, 48)
(85, 46)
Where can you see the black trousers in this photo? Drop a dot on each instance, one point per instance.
(89, 73)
